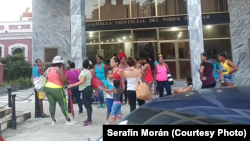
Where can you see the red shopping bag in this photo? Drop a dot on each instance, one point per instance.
(95, 82)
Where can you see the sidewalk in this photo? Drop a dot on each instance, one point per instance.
(41, 130)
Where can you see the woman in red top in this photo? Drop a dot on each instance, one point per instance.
(147, 70)
(118, 73)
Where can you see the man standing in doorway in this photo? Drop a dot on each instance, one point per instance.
(121, 54)
(38, 70)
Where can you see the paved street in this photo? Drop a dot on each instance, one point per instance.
(41, 130)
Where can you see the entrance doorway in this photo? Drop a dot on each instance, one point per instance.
(177, 55)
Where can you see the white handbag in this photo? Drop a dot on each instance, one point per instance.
(40, 82)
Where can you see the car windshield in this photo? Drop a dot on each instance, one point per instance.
(148, 116)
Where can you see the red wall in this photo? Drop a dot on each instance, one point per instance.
(8, 43)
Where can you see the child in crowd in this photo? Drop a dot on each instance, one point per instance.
(116, 107)
(95, 97)
(187, 89)
(138, 65)
(108, 84)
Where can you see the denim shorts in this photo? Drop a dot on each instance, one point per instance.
(228, 77)
(116, 109)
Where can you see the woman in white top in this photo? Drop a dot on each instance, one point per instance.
(133, 76)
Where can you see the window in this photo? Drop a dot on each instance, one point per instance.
(92, 37)
(91, 10)
(216, 31)
(143, 8)
(171, 7)
(175, 33)
(116, 36)
(1, 50)
(18, 48)
(218, 46)
(208, 6)
(145, 35)
(49, 53)
(111, 9)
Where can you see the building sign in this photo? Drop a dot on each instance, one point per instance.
(170, 21)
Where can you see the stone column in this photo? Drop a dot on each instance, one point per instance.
(78, 42)
(196, 39)
(240, 39)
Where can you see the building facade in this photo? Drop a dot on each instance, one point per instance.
(141, 28)
(16, 37)
(149, 27)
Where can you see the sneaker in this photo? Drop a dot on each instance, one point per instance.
(71, 122)
(103, 105)
(79, 115)
(107, 122)
(99, 106)
(87, 123)
(53, 123)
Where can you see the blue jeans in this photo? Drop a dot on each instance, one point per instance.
(228, 78)
(109, 105)
(161, 85)
(75, 92)
(100, 96)
(116, 109)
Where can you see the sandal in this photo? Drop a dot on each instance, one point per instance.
(107, 122)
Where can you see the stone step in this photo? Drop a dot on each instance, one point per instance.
(5, 111)
(21, 116)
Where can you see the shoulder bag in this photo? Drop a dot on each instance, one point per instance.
(142, 90)
(40, 82)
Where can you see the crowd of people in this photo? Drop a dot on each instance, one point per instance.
(119, 79)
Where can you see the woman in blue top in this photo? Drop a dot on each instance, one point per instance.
(36, 73)
(99, 71)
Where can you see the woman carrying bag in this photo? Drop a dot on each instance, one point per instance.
(133, 76)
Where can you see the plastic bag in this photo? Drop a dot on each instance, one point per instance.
(95, 82)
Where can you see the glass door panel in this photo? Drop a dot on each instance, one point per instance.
(92, 51)
(109, 49)
(168, 50)
(183, 50)
(172, 68)
(185, 69)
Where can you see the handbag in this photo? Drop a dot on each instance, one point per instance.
(142, 90)
(170, 79)
(95, 82)
(40, 82)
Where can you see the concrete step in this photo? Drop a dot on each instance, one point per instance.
(5, 111)
(21, 116)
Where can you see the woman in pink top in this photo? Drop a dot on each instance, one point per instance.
(161, 77)
(72, 75)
